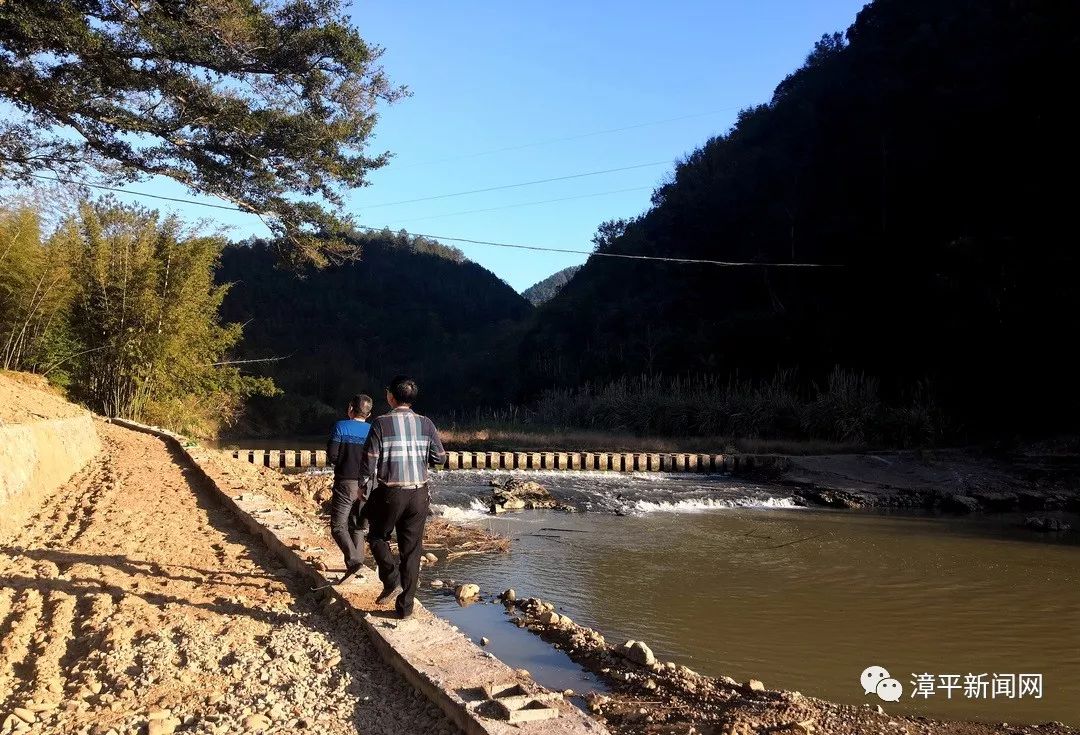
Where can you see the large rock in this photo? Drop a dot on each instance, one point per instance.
(832, 498)
(637, 652)
(467, 591)
(550, 617)
(960, 504)
(165, 726)
(515, 494)
(1047, 524)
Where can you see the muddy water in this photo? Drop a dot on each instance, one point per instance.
(725, 579)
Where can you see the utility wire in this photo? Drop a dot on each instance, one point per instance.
(515, 186)
(526, 204)
(535, 248)
(592, 253)
(58, 180)
(564, 139)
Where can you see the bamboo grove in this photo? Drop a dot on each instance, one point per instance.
(119, 305)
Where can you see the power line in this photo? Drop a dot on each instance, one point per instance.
(535, 248)
(591, 253)
(564, 139)
(58, 180)
(527, 204)
(515, 186)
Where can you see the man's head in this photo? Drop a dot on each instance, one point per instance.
(360, 406)
(401, 391)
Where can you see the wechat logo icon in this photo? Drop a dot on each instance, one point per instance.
(876, 680)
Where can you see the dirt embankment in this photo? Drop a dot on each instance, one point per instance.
(131, 602)
(44, 440)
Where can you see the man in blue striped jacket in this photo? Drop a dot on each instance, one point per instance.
(399, 449)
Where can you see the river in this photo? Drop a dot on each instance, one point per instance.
(731, 578)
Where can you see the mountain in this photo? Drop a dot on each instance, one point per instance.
(915, 159)
(408, 305)
(545, 290)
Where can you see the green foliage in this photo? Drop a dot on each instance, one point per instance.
(121, 307)
(545, 290)
(608, 232)
(147, 306)
(267, 105)
(35, 292)
(409, 306)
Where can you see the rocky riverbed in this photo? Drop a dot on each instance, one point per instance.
(947, 481)
(653, 697)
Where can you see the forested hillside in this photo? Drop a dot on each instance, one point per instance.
(409, 305)
(543, 291)
(921, 153)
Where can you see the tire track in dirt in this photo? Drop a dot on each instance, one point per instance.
(15, 645)
(103, 483)
(6, 595)
(51, 645)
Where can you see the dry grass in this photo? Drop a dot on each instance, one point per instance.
(797, 446)
(709, 413)
(538, 439)
(462, 539)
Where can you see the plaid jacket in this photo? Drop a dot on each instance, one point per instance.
(399, 449)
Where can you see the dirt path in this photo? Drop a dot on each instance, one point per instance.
(131, 603)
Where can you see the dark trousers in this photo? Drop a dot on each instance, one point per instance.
(405, 511)
(347, 520)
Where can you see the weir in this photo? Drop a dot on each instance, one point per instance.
(682, 462)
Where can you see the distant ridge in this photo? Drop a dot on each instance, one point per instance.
(895, 151)
(545, 290)
(407, 306)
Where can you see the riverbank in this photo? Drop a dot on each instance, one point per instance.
(677, 699)
(951, 481)
(133, 603)
(799, 599)
(653, 697)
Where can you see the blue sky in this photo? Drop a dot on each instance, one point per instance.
(487, 76)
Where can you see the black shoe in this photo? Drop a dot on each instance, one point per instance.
(388, 591)
(354, 567)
